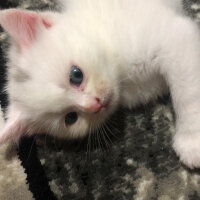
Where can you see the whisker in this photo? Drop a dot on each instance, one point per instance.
(114, 124)
(99, 140)
(96, 141)
(110, 131)
(89, 144)
(34, 139)
(57, 128)
(111, 142)
(104, 138)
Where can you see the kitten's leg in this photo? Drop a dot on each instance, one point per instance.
(181, 68)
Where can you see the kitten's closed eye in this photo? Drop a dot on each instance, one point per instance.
(76, 76)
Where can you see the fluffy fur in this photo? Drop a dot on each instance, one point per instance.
(130, 52)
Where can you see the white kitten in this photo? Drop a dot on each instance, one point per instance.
(69, 71)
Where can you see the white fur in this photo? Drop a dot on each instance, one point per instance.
(129, 50)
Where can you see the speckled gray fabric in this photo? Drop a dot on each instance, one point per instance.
(12, 177)
(133, 160)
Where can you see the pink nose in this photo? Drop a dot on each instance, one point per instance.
(95, 106)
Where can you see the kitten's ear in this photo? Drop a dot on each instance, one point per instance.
(13, 128)
(11, 132)
(24, 26)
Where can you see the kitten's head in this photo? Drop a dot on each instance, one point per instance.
(61, 80)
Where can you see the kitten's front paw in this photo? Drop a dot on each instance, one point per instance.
(187, 147)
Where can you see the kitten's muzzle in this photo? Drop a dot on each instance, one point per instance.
(94, 105)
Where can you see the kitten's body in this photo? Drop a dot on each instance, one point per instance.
(130, 51)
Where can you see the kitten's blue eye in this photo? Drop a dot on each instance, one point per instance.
(76, 76)
(71, 118)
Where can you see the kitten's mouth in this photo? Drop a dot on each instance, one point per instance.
(106, 103)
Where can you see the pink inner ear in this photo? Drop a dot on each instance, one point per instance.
(23, 26)
(11, 131)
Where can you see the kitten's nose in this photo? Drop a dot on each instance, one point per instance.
(95, 106)
(92, 105)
